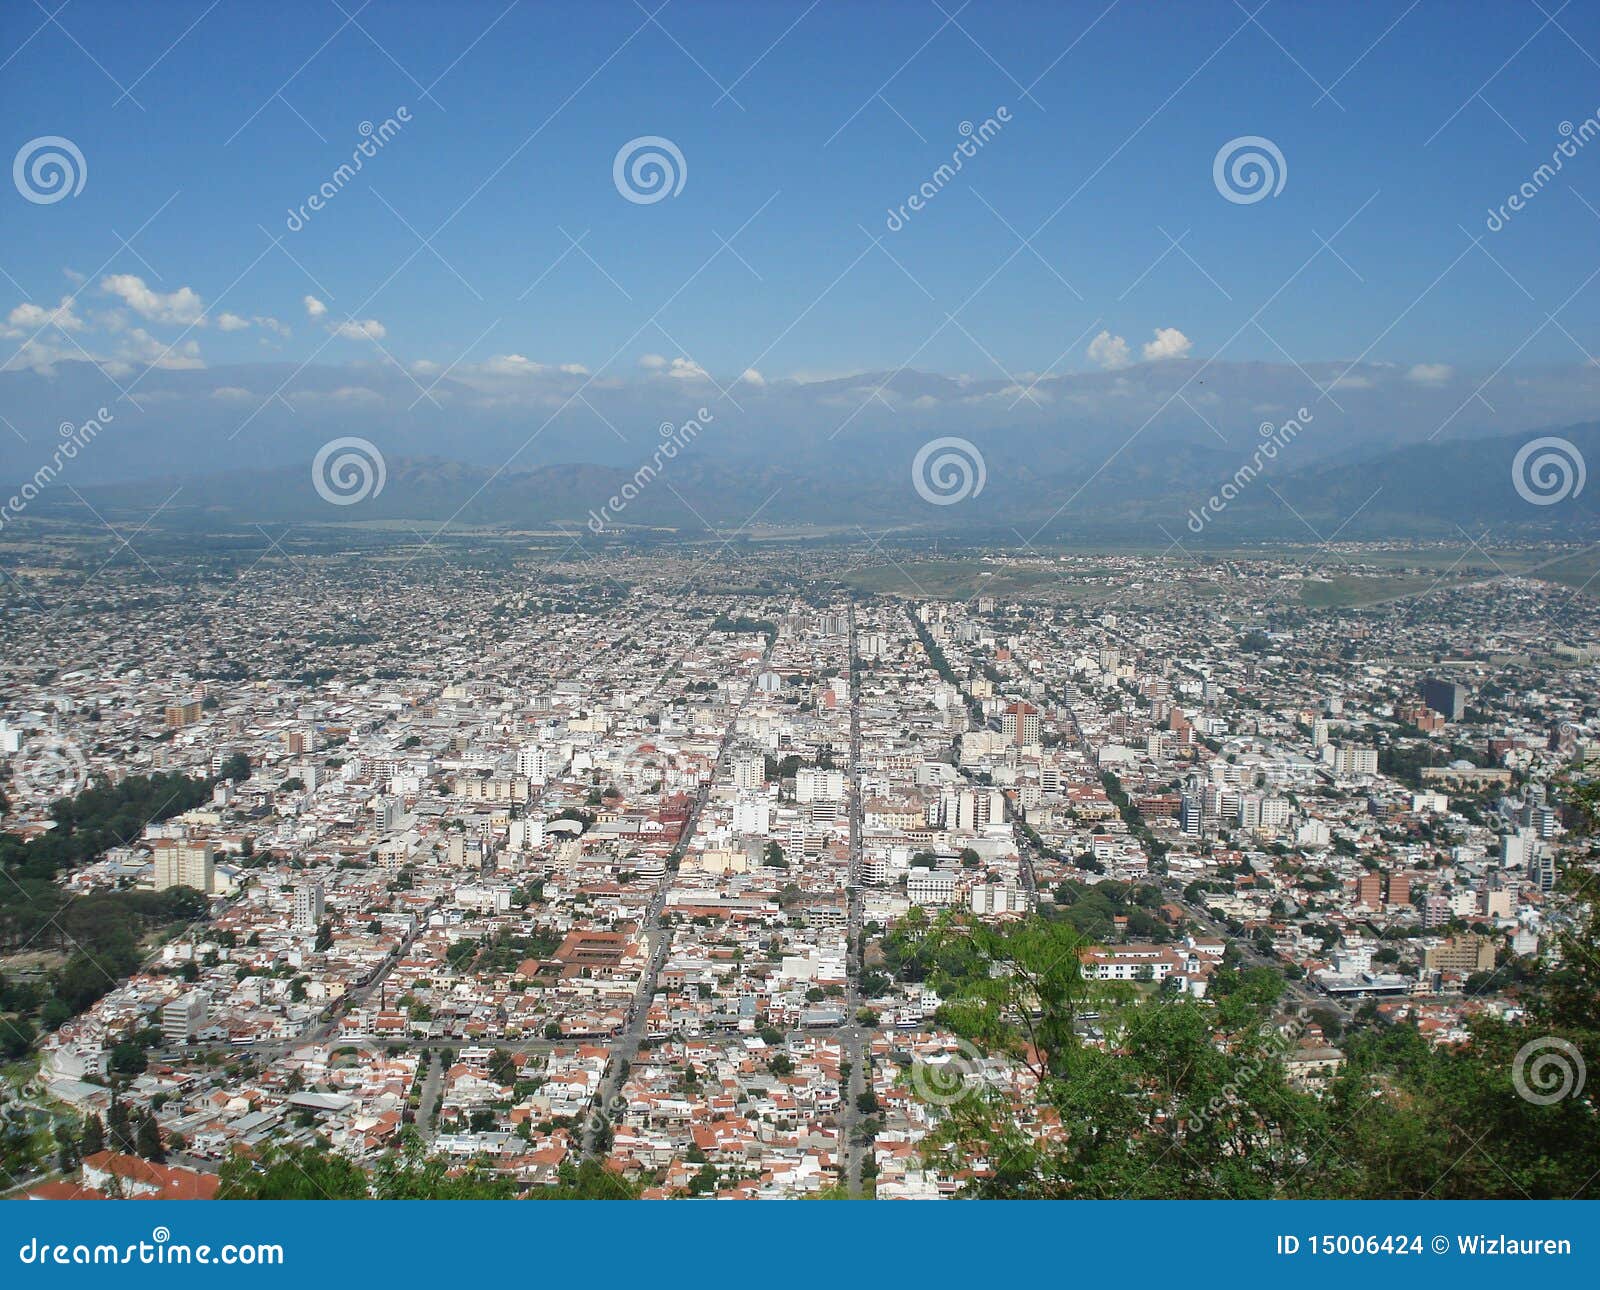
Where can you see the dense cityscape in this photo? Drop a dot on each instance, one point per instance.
(604, 875)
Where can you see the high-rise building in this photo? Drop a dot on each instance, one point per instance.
(185, 862)
(1421, 716)
(1189, 814)
(1353, 761)
(386, 814)
(1019, 723)
(749, 774)
(1369, 890)
(1463, 955)
(752, 815)
(182, 1018)
(184, 713)
(534, 763)
(527, 834)
(1541, 819)
(1445, 697)
(812, 784)
(1518, 849)
(1542, 872)
(959, 809)
(308, 906)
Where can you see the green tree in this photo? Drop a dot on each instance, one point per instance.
(94, 1135)
(293, 1173)
(148, 1141)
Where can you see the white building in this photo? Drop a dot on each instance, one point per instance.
(182, 1018)
(308, 906)
(184, 862)
(930, 887)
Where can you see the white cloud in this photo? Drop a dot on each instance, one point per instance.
(182, 307)
(314, 307)
(271, 324)
(1430, 373)
(38, 356)
(356, 394)
(686, 369)
(231, 393)
(752, 377)
(512, 365)
(31, 317)
(231, 322)
(139, 347)
(522, 365)
(681, 369)
(1110, 352)
(1169, 343)
(361, 329)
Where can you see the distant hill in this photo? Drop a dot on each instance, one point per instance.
(1032, 486)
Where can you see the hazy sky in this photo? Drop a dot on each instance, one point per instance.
(801, 127)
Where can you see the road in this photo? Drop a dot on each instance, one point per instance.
(850, 1034)
(427, 1122)
(1030, 879)
(1202, 918)
(626, 1045)
(318, 1032)
(1250, 956)
(1300, 991)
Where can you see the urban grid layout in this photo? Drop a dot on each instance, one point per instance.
(587, 875)
(866, 600)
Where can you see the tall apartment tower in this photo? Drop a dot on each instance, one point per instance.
(1445, 697)
(1019, 723)
(185, 862)
(749, 774)
(308, 906)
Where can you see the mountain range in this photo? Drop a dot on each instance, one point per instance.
(1153, 488)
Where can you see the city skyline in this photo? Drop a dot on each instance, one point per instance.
(679, 599)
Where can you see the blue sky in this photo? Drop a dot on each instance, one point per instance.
(833, 115)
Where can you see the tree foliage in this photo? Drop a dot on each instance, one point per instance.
(1141, 1094)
